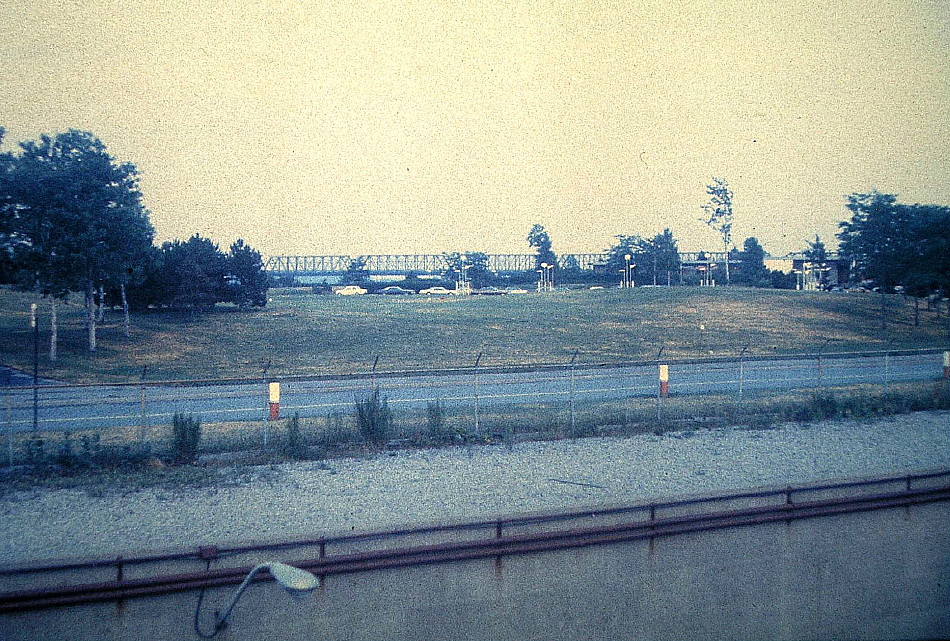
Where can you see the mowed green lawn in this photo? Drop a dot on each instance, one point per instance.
(302, 333)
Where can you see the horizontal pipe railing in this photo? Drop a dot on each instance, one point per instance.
(470, 550)
(493, 546)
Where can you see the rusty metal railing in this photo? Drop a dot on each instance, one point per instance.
(788, 506)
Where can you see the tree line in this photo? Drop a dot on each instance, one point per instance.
(72, 221)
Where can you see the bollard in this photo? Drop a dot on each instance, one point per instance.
(273, 392)
(664, 381)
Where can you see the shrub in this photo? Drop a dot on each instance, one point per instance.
(435, 421)
(374, 418)
(295, 445)
(186, 434)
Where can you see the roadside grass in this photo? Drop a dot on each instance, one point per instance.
(232, 452)
(303, 334)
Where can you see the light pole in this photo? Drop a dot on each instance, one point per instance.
(36, 366)
(627, 271)
(544, 284)
(297, 582)
(550, 278)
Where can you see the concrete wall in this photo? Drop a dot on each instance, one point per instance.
(872, 575)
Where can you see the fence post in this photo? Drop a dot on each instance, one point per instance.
(573, 419)
(887, 369)
(475, 381)
(741, 374)
(821, 348)
(946, 365)
(264, 368)
(8, 414)
(663, 389)
(144, 422)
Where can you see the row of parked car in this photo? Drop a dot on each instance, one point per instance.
(395, 290)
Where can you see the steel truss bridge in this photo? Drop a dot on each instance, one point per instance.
(405, 264)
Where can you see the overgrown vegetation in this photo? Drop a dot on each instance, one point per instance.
(374, 418)
(64, 461)
(186, 436)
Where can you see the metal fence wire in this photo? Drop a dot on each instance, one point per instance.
(572, 399)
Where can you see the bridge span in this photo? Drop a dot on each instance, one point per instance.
(405, 264)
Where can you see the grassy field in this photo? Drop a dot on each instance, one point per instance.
(301, 333)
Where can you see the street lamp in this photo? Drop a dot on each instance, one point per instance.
(297, 582)
(550, 278)
(545, 274)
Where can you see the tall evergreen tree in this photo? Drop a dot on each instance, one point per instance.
(248, 280)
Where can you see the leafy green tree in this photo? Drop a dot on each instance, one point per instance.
(657, 258)
(817, 256)
(474, 265)
(247, 279)
(77, 217)
(194, 274)
(617, 255)
(719, 214)
(539, 239)
(476, 269)
(356, 272)
(889, 242)
(751, 270)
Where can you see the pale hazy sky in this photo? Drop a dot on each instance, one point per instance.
(421, 127)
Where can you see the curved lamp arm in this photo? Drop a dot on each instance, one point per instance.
(292, 579)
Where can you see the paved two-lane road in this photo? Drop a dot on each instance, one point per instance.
(78, 408)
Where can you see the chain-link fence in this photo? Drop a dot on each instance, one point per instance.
(475, 404)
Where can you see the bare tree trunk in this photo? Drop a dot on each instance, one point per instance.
(54, 330)
(125, 311)
(101, 309)
(91, 315)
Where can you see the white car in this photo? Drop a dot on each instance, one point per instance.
(438, 291)
(350, 290)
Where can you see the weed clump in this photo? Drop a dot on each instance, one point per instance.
(294, 446)
(186, 435)
(374, 418)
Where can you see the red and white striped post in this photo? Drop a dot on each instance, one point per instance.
(273, 393)
(664, 381)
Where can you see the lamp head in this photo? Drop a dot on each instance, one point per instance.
(294, 580)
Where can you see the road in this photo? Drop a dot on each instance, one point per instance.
(77, 408)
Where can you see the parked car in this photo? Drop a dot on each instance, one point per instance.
(394, 290)
(489, 291)
(437, 291)
(350, 290)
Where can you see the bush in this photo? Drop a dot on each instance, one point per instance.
(294, 446)
(186, 434)
(435, 422)
(374, 418)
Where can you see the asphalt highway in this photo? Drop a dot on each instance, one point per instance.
(77, 408)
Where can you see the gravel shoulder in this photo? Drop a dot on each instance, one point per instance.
(442, 485)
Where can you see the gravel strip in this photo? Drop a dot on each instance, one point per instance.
(428, 486)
